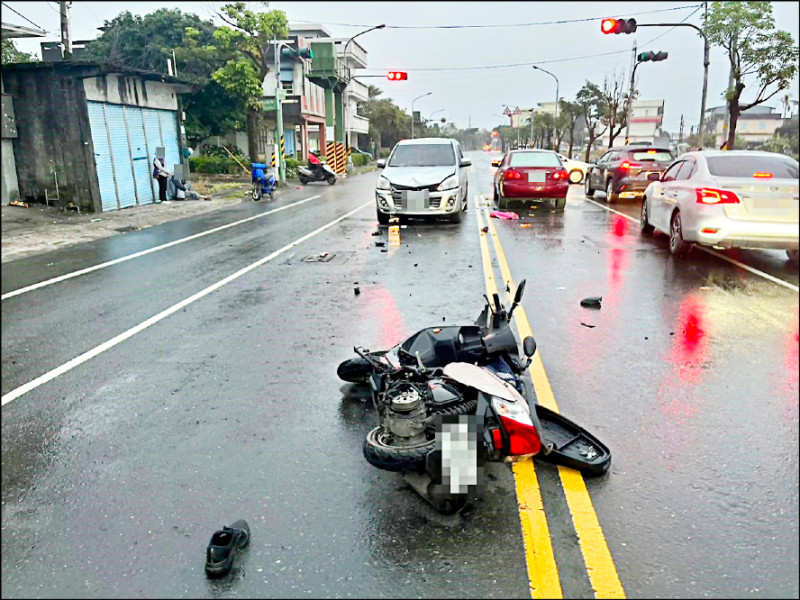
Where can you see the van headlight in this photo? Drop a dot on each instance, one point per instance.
(449, 183)
(383, 183)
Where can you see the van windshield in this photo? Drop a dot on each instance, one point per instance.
(423, 155)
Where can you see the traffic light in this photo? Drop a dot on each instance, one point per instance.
(652, 56)
(301, 53)
(618, 26)
(397, 75)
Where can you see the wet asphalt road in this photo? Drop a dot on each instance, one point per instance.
(115, 473)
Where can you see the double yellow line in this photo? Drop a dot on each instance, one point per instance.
(542, 569)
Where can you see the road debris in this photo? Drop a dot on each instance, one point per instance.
(525, 225)
(356, 290)
(379, 244)
(19, 203)
(484, 229)
(592, 302)
(94, 220)
(587, 325)
(379, 232)
(508, 216)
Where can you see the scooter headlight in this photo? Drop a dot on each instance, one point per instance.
(383, 183)
(449, 183)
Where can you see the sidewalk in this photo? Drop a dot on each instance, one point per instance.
(39, 229)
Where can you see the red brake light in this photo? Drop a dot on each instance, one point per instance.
(513, 174)
(523, 439)
(627, 165)
(712, 196)
(562, 174)
(764, 175)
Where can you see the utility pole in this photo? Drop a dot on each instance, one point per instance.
(630, 97)
(701, 126)
(66, 38)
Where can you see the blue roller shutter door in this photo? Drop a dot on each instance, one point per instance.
(121, 154)
(141, 162)
(102, 156)
(169, 135)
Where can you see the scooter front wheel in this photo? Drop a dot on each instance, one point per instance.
(257, 191)
(303, 179)
(354, 370)
(331, 180)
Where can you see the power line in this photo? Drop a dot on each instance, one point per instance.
(26, 18)
(671, 29)
(561, 22)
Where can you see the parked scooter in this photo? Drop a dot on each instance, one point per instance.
(263, 182)
(473, 375)
(316, 171)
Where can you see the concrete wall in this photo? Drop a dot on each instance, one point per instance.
(119, 89)
(10, 187)
(54, 135)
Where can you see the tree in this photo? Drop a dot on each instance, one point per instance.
(570, 112)
(592, 103)
(147, 42)
(248, 39)
(756, 50)
(615, 104)
(388, 123)
(12, 55)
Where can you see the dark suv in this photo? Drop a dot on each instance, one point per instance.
(622, 172)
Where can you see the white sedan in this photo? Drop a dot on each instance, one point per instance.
(576, 168)
(736, 199)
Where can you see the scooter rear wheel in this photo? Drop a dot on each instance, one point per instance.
(381, 454)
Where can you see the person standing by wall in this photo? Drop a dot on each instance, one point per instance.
(161, 173)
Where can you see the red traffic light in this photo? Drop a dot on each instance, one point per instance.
(618, 26)
(397, 75)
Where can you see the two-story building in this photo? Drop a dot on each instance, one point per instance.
(755, 125)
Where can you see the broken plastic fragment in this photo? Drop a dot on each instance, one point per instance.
(509, 216)
(592, 302)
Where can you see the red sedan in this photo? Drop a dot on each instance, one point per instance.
(530, 175)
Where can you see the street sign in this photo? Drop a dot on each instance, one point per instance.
(270, 104)
(507, 111)
(517, 111)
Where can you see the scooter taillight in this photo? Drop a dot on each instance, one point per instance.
(516, 420)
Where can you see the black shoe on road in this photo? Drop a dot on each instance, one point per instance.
(224, 546)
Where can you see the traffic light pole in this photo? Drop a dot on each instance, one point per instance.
(630, 97)
(706, 62)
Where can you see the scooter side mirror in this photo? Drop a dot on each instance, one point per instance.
(520, 291)
(529, 346)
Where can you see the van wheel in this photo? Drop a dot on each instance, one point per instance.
(383, 218)
(457, 216)
(793, 256)
(610, 195)
(587, 189)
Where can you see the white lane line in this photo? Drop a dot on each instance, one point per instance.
(733, 261)
(42, 379)
(116, 261)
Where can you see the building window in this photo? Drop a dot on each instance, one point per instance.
(287, 86)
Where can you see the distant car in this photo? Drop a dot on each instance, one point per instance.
(623, 172)
(735, 199)
(423, 177)
(355, 150)
(530, 175)
(575, 168)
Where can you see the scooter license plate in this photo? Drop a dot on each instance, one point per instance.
(457, 439)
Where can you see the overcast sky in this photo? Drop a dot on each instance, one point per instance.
(476, 96)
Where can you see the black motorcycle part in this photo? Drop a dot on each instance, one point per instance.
(439, 346)
(501, 340)
(401, 459)
(354, 370)
(573, 446)
(442, 394)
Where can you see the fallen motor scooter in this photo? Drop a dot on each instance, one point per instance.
(444, 384)
(320, 172)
